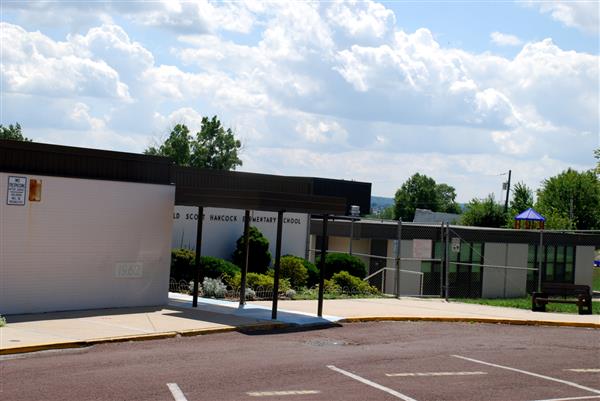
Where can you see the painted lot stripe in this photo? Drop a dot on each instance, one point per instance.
(176, 391)
(286, 392)
(589, 397)
(584, 370)
(568, 383)
(419, 374)
(372, 384)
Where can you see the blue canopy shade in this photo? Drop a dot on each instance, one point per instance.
(530, 215)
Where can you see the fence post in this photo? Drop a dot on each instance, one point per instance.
(540, 255)
(441, 262)
(351, 236)
(447, 261)
(398, 255)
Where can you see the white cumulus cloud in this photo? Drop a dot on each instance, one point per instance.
(505, 39)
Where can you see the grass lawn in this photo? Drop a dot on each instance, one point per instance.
(596, 279)
(525, 303)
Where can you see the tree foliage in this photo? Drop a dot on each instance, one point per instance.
(522, 199)
(571, 200)
(484, 213)
(421, 191)
(597, 156)
(259, 257)
(13, 133)
(213, 147)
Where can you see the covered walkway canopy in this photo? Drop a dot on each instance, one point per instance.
(200, 188)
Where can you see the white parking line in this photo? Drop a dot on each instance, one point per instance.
(568, 383)
(419, 374)
(372, 384)
(176, 391)
(584, 370)
(283, 392)
(589, 397)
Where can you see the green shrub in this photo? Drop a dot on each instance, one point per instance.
(183, 265)
(258, 281)
(259, 257)
(337, 262)
(352, 285)
(2, 321)
(294, 270)
(313, 271)
(216, 267)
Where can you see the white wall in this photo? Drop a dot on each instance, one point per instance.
(342, 244)
(584, 261)
(500, 282)
(222, 227)
(64, 252)
(410, 283)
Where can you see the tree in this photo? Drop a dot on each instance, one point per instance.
(176, 146)
(447, 199)
(213, 147)
(259, 257)
(13, 132)
(597, 156)
(571, 200)
(522, 199)
(420, 191)
(484, 213)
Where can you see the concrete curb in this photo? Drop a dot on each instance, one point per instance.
(519, 322)
(255, 327)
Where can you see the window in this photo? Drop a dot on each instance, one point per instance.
(558, 264)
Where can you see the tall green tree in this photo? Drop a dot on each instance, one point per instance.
(421, 191)
(484, 213)
(522, 199)
(571, 200)
(13, 132)
(597, 156)
(213, 147)
(176, 146)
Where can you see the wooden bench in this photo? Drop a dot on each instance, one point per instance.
(567, 293)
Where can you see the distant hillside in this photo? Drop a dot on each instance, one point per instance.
(381, 201)
(378, 203)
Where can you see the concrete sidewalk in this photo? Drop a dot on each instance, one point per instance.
(27, 333)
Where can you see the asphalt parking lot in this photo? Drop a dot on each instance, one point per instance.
(359, 361)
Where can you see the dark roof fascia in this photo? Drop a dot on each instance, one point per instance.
(222, 179)
(389, 230)
(258, 200)
(65, 161)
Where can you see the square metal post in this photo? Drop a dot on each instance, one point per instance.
(447, 261)
(441, 262)
(398, 256)
(246, 252)
(322, 267)
(198, 275)
(277, 264)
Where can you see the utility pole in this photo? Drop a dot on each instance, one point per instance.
(571, 213)
(507, 193)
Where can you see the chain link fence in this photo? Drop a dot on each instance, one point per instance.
(472, 262)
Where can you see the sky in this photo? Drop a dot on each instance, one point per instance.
(461, 91)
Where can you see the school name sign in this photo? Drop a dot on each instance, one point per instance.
(222, 227)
